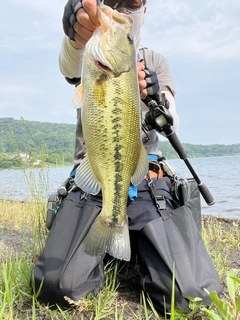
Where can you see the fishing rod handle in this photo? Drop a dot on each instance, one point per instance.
(207, 196)
(175, 142)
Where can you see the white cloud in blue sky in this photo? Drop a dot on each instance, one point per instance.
(206, 29)
(201, 40)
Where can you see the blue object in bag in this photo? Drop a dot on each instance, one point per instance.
(132, 192)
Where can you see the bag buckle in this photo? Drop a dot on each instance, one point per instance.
(159, 200)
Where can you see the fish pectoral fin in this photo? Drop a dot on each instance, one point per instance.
(85, 178)
(142, 167)
(103, 238)
(78, 97)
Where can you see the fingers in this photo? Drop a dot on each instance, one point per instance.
(90, 6)
(141, 80)
(87, 21)
(82, 33)
(143, 90)
(148, 82)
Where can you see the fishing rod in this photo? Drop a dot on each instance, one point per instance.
(159, 118)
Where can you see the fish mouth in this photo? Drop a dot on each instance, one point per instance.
(103, 66)
(106, 69)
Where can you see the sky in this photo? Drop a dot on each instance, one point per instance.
(200, 39)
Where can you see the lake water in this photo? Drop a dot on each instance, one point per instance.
(220, 174)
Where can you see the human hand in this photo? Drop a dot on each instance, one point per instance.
(141, 80)
(148, 82)
(80, 19)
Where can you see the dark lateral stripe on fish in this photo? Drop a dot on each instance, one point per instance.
(117, 126)
(117, 194)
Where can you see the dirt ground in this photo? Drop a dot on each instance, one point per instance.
(129, 289)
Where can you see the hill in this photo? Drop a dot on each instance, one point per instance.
(199, 150)
(54, 143)
(50, 142)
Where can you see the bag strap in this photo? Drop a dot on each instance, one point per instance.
(159, 199)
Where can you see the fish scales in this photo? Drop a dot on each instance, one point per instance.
(111, 120)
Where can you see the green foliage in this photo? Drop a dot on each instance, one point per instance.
(229, 310)
(14, 284)
(198, 150)
(226, 309)
(7, 161)
(28, 134)
(57, 139)
(22, 141)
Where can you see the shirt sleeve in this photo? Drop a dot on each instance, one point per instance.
(70, 60)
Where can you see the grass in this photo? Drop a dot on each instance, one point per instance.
(22, 229)
(221, 243)
(25, 220)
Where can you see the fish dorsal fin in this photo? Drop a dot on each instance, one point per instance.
(85, 178)
(142, 167)
(78, 97)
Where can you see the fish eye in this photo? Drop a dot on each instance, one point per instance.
(130, 38)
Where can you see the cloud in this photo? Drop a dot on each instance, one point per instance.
(16, 88)
(37, 104)
(34, 25)
(208, 31)
(16, 95)
(201, 39)
(51, 9)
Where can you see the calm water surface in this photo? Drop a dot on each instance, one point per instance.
(220, 174)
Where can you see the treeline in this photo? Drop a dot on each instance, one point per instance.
(198, 150)
(25, 142)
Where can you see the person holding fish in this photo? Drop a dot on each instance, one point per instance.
(84, 53)
(154, 73)
(109, 210)
(141, 73)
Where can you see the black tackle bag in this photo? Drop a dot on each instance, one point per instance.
(64, 269)
(172, 236)
(165, 229)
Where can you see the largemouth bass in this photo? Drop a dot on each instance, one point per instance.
(111, 120)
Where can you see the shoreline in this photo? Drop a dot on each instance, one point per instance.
(204, 216)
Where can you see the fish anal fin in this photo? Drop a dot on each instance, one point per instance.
(85, 178)
(141, 168)
(103, 238)
(78, 97)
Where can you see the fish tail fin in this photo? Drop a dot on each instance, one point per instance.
(102, 239)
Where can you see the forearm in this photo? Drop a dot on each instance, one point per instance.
(70, 58)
